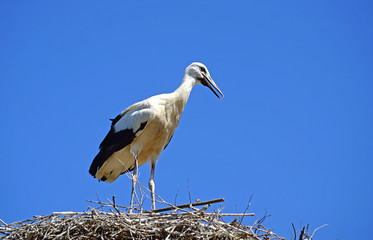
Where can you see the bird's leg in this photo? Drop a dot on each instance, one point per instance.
(134, 180)
(152, 185)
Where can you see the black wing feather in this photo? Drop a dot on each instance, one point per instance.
(116, 119)
(113, 142)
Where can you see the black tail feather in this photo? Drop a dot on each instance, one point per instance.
(98, 161)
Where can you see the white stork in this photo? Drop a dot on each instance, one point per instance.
(142, 131)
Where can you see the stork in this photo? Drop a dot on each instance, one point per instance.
(142, 131)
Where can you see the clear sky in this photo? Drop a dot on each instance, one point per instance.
(295, 128)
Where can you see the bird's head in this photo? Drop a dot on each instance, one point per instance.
(199, 72)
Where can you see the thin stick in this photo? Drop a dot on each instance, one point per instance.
(190, 197)
(236, 214)
(5, 224)
(188, 205)
(325, 225)
(69, 213)
(114, 205)
(247, 208)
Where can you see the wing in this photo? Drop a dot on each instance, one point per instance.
(124, 129)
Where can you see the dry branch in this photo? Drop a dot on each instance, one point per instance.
(188, 205)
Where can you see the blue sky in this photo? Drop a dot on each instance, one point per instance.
(295, 128)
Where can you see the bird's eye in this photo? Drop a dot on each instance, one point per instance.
(203, 70)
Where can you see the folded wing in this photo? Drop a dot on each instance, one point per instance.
(124, 129)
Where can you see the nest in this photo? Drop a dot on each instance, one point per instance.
(111, 221)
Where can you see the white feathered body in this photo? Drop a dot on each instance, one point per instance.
(161, 114)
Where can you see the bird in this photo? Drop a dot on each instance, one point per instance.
(143, 130)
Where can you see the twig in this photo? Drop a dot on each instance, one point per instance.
(69, 213)
(325, 225)
(190, 197)
(237, 214)
(188, 205)
(295, 231)
(114, 205)
(247, 208)
(4, 223)
(177, 193)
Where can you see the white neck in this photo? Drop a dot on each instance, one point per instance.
(181, 94)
